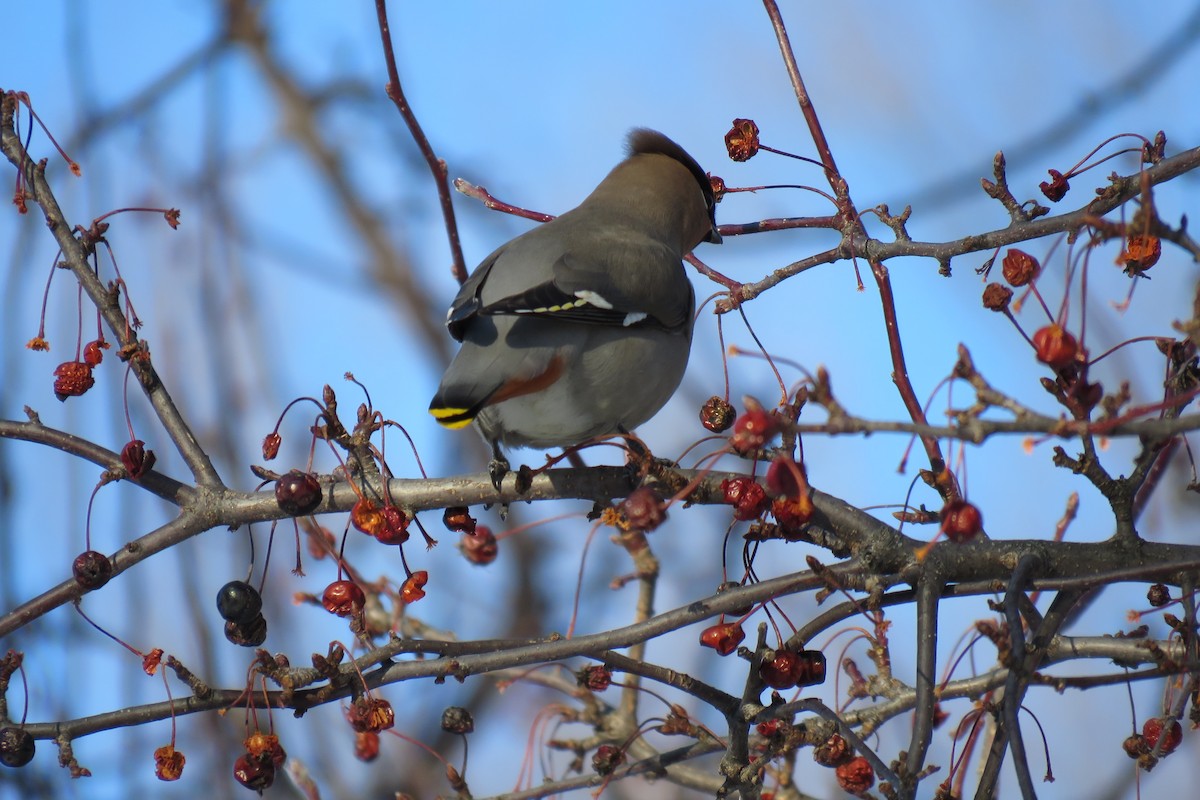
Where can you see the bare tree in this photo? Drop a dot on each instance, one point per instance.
(813, 633)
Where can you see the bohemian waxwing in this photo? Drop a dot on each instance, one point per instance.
(582, 326)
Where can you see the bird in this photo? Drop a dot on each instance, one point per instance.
(582, 327)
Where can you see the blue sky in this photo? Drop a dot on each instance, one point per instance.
(533, 100)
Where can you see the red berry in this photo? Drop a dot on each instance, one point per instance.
(753, 429)
(809, 669)
(458, 519)
(1153, 730)
(644, 509)
(136, 459)
(343, 598)
(414, 587)
(961, 521)
(1055, 347)
(723, 637)
(254, 773)
(393, 526)
(777, 673)
(1019, 267)
(748, 497)
(298, 493)
(72, 378)
(480, 547)
(607, 758)
(366, 745)
(855, 776)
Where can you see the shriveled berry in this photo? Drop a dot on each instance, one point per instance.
(1169, 730)
(748, 497)
(741, 142)
(393, 526)
(996, 297)
(343, 598)
(855, 776)
(723, 637)
(644, 509)
(481, 547)
(254, 773)
(72, 378)
(92, 569)
(238, 601)
(1056, 188)
(251, 633)
(1158, 595)
(595, 678)
(136, 459)
(607, 758)
(753, 429)
(371, 714)
(413, 588)
(1019, 267)
(367, 516)
(16, 747)
(717, 415)
(265, 746)
(833, 752)
(270, 445)
(961, 521)
(168, 763)
(1055, 347)
(297, 492)
(785, 477)
(457, 720)
(458, 519)
(1142, 251)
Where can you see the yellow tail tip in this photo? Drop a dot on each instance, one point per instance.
(452, 418)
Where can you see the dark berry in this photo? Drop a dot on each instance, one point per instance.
(238, 601)
(247, 634)
(457, 719)
(298, 492)
(92, 569)
(16, 747)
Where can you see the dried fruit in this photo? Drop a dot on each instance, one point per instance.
(1056, 188)
(717, 415)
(458, 519)
(753, 429)
(996, 297)
(136, 459)
(247, 634)
(92, 569)
(414, 587)
(1169, 730)
(961, 521)
(457, 720)
(343, 598)
(833, 752)
(777, 672)
(723, 637)
(856, 775)
(297, 493)
(254, 773)
(742, 140)
(1055, 347)
(366, 745)
(1019, 267)
(607, 758)
(270, 445)
(1158, 595)
(16, 747)
(371, 714)
(746, 495)
(393, 526)
(481, 547)
(168, 763)
(72, 378)
(595, 678)
(644, 509)
(1142, 252)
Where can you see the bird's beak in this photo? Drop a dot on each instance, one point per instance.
(714, 236)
